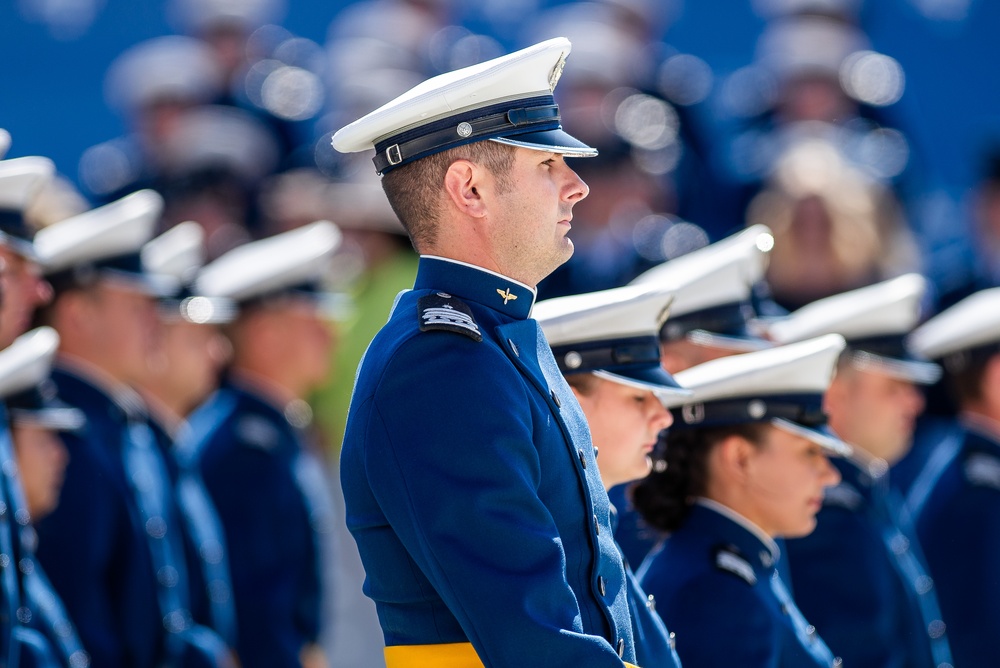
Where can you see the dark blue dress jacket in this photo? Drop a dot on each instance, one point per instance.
(959, 529)
(471, 484)
(861, 579)
(717, 587)
(262, 478)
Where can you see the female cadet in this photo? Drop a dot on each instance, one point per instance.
(607, 348)
(745, 463)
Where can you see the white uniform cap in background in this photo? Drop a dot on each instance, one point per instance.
(21, 179)
(4, 142)
(273, 265)
(713, 287)
(104, 242)
(179, 252)
(25, 366)
(971, 323)
(782, 385)
(507, 99)
(197, 16)
(613, 334)
(163, 68)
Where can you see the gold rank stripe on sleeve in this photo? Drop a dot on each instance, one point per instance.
(449, 655)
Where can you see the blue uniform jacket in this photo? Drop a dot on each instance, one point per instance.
(92, 546)
(960, 532)
(860, 577)
(257, 470)
(471, 485)
(717, 587)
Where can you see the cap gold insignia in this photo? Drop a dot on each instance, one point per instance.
(507, 295)
(557, 71)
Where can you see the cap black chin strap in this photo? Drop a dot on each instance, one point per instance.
(500, 120)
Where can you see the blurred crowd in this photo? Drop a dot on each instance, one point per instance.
(229, 124)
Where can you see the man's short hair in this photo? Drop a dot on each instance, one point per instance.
(415, 190)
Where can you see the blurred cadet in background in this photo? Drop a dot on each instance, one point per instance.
(710, 317)
(860, 577)
(125, 586)
(258, 457)
(746, 463)
(956, 499)
(185, 364)
(36, 417)
(606, 346)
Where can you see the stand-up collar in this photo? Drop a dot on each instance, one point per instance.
(471, 283)
(750, 540)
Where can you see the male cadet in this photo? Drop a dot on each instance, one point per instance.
(48, 636)
(256, 455)
(112, 547)
(958, 523)
(185, 365)
(469, 476)
(22, 290)
(860, 575)
(710, 318)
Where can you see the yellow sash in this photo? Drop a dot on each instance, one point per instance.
(451, 655)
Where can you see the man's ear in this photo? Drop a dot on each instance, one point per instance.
(462, 183)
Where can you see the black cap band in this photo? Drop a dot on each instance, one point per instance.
(728, 320)
(802, 409)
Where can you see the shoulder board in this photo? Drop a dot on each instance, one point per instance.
(257, 432)
(441, 311)
(843, 496)
(983, 470)
(731, 562)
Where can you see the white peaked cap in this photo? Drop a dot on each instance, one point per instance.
(720, 273)
(118, 228)
(608, 314)
(270, 265)
(804, 367)
(169, 67)
(972, 322)
(4, 142)
(179, 252)
(22, 178)
(889, 307)
(526, 74)
(28, 361)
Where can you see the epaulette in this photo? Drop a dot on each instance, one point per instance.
(727, 559)
(441, 311)
(843, 496)
(983, 470)
(257, 432)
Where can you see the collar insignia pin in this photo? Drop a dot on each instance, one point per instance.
(507, 295)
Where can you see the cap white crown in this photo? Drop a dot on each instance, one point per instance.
(118, 228)
(607, 314)
(261, 267)
(804, 367)
(720, 273)
(179, 252)
(22, 178)
(886, 308)
(972, 322)
(4, 142)
(525, 73)
(27, 361)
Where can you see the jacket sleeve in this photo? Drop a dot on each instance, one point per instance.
(452, 454)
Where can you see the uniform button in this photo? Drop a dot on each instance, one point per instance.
(936, 629)
(784, 609)
(811, 632)
(4, 561)
(672, 640)
(156, 527)
(837, 662)
(583, 460)
(513, 347)
(651, 604)
(79, 659)
(22, 516)
(899, 544)
(26, 566)
(24, 615)
(211, 551)
(168, 576)
(595, 452)
(924, 584)
(555, 398)
(600, 585)
(3, 508)
(597, 525)
(621, 647)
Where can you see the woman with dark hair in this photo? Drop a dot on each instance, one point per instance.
(607, 348)
(745, 463)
